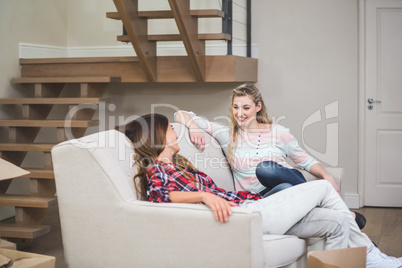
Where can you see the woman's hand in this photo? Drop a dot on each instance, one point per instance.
(320, 172)
(332, 181)
(197, 137)
(219, 206)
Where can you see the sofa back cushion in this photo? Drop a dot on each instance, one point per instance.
(212, 161)
(113, 152)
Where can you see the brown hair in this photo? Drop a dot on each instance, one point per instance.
(262, 116)
(148, 135)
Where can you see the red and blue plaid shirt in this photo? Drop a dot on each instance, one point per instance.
(166, 177)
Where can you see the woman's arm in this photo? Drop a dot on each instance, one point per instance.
(320, 171)
(305, 161)
(185, 118)
(196, 135)
(219, 206)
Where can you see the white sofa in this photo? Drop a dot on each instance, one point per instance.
(104, 225)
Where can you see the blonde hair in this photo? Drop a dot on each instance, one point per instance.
(262, 116)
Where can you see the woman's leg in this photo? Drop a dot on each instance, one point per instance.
(278, 188)
(271, 174)
(334, 224)
(281, 211)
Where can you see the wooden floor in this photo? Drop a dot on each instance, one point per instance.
(384, 227)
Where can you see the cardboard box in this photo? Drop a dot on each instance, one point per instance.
(27, 260)
(9, 171)
(338, 258)
(6, 244)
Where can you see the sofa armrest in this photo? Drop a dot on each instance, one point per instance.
(154, 235)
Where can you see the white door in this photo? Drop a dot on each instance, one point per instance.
(383, 120)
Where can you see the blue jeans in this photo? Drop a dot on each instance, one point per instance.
(276, 177)
(267, 192)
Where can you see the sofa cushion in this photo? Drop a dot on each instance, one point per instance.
(113, 151)
(212, 161)
(281, 250)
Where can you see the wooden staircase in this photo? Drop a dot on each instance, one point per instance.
(199, 66)
(30, 210)
(46, 78)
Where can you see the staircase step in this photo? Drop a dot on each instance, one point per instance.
(177, 37)
(26, 147)
(29, 201)
(207, 13)
(171, 68)
(48, 123)
(52, 101)
(23, 231)
(78, 79)
(78, 60)
(167, 14)
(39, 173)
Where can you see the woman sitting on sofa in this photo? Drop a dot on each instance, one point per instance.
(257, 148)
(311, 209)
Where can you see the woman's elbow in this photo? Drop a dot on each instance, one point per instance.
(179, 117)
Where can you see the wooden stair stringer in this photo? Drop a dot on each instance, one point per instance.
(137, 30)
(188, 28)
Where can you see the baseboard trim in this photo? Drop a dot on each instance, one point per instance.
(28, 51)
(352, 200)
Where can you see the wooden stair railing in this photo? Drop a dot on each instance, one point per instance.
(136, 25)
(30, 210)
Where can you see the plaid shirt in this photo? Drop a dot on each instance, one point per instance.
(166, 177)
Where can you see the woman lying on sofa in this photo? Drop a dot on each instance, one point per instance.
(312, 209)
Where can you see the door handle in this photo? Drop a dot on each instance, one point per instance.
(371, 101)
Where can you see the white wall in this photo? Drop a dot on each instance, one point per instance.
(88, 25)
(98, 31)
(38, 22)
(308, 59)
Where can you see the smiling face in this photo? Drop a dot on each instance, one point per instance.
(171, 140)
(245, 111)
